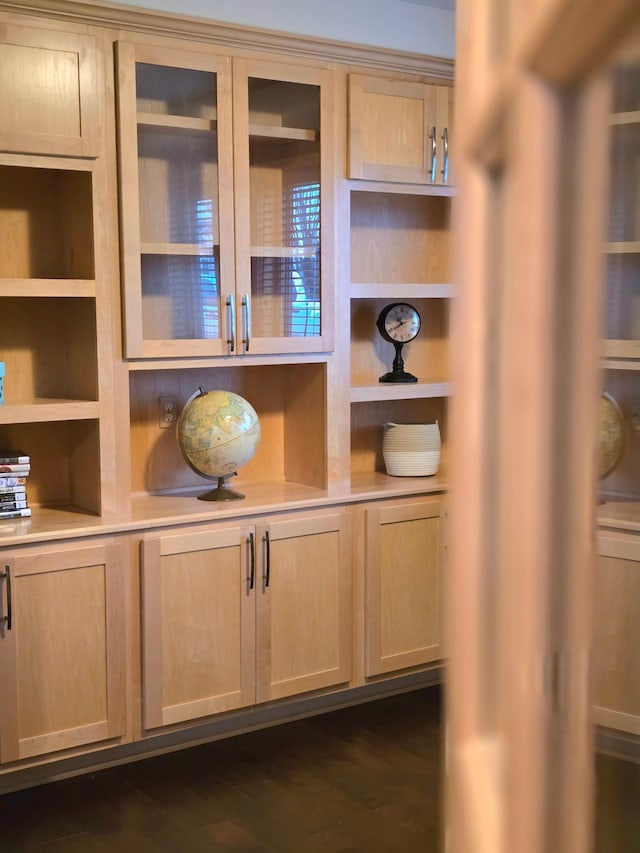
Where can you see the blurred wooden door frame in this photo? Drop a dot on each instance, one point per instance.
(531, 101)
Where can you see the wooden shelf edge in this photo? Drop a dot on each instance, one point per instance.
(190, 249)
(48, 287)
(629, 117)
(283, 252)
(391, 391)
(362, 290)
(286, 134)
(619, 514)
(44, 410)
(625, 350)
(162, 121)
(623, 247)
(369, 186)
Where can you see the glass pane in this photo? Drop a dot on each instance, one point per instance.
(175, 91)
(180, 297)
(179, 209)
(178, 183)
(284, 161)
(624, 223)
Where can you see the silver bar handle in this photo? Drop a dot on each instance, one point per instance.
(246, 311)
(434, 153)
(445, 146)
(231, 320)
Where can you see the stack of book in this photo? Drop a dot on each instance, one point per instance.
(14, 470)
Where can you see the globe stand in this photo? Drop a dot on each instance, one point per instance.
(221, 492)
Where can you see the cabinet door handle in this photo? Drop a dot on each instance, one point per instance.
(246, 311)
(434, 153)
(445, 146)
(266, 575)
(7, 575)
(252, 560)
(231, 319)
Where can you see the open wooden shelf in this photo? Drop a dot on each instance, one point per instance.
(363, 290)
(48, 287)
(397, 391)
(42, 410)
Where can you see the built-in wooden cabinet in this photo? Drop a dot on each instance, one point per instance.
(404, 556)
(198, 622)
(180, 213)
(616, 619)
(48, 89)
(400, 251)
(55, 270)
(399, 130)
(244, 614)
(223, 204)
(62, 654)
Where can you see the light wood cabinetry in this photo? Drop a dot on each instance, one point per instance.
(55, 282)
(400, 251)
(61, 648)
(399, 130)
(217, 177)
(617, 667)
(222, 180)
(48, 82)
(244, 614)
(198, 624)
(304, 605)
(403, 585)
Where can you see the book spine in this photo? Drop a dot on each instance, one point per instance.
(5, 506)
(16, 459)
(16, 513)
(10, 480)
(12, 492)
(14, 496)
(14, 469)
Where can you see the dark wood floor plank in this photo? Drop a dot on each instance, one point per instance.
(366, 779)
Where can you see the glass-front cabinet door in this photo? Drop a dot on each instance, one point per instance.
(176, 195)
(282, 207)
(224, 209)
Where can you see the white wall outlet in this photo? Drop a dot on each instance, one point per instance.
(167, 411)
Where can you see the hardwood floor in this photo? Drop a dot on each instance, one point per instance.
(360, 780)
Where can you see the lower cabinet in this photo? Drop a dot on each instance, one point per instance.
(243, 614)
(403, 586)
(61, 648)
(617, 617)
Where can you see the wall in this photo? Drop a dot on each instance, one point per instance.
(406, 25)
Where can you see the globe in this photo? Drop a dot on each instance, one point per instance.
(218, 432)
(611, 435)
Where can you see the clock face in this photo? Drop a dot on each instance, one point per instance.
(399, 322)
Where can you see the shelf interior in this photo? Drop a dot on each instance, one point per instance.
(289, 400)
(46, 223)
(426, 356)
(367, 428)
(49, 349)
(65, 462)
(400, 239)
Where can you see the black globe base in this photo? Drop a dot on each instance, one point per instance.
(221, 492)
(398, 376)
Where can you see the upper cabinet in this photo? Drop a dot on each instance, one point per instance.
(48, 92)
(399, 131)
(223, 204)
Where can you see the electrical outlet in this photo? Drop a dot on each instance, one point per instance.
(166, 411)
